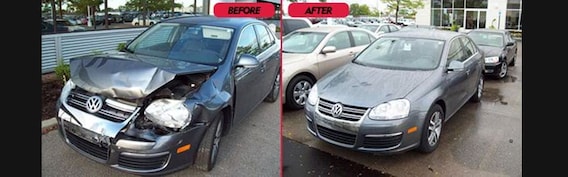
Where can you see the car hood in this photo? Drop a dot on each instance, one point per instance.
(127, 75)
(491, 51)
(288, 58)
(364, 86)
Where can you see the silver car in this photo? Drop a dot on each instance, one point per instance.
(397, 93)
(310, 53)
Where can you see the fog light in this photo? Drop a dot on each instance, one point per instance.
(134, 145)
(412, 130)
(183, 148)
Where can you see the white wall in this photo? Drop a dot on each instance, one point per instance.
(423, 15)
(493, 9)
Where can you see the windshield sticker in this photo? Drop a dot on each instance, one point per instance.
(211, 32)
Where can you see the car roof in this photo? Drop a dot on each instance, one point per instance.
(488, 30)
(327, 28)
(426, 34)
(235, 23)
(375, 24)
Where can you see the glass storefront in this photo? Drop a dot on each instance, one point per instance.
(513, 15)
(471, 14)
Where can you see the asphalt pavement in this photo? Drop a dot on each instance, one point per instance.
(482, 139)
(252, 148)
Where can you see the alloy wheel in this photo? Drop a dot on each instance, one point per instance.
(503, 71)
(480, 87)
(434, 128)
(301, 91)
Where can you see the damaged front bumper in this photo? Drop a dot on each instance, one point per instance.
(105, 141)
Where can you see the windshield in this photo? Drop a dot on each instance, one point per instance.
(302, 42)
(402, 53)
(372, 28)
(487, 39)
(185, 42)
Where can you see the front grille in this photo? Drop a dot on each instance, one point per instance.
(337, 136)
(95, 150)
(78, 98)
(142, 163)
(382, 142)
(350, 113)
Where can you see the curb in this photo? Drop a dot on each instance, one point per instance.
(48, 125)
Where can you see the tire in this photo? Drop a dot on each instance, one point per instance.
(136, 24)
(275, 91)
(302, 85)
(436, 116)
(209, 146)
(503, 71)
(151, 23)
(476, 98)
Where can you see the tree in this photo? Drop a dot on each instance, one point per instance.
(80, 6)
(359, 10)
(396, 5)
(322, 0)
(152, 5)
(375, 13)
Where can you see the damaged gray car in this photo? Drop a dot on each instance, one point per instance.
(165, 101)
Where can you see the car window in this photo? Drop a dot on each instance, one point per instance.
(487, 38)
(393, 28)
(384, 29)
(294, 24)
(159, 36)
(339, 40)
(469, 49)
(248, 44)
(264, 38)
(360, 38)
(456, 51)
(302, 41)
(403, 53)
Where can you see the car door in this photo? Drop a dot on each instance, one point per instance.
(472, 65)
(511, 50)
(247, 79)
(456, 81)
(269, 58)
(344, 52)
(361, 40)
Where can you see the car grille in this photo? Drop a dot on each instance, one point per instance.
(111, 110)
(382, 142)
(143, 163)
(350, 113)
(337, 136)
(97, 151)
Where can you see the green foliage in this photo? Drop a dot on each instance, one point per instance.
(359, 10)
(96, 52)
(121, 46)
(409, 6)
(151, 5)
(80, 6)
(375, 13)
(277, 29)
(62, 70)
(455, 27)
(492, 24)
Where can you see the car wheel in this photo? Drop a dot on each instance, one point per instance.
(297, 91)
(151, 23)
(512, 62)
(275, 92)
(209, 146)
(432, 129)
(478, 91)
(503, 70)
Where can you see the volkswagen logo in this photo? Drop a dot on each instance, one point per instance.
(336, 110)
(94, 104)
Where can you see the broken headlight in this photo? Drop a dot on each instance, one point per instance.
(169, 113)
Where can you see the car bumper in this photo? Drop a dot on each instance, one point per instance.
(162, 157)
(492, 68)
(379, 137)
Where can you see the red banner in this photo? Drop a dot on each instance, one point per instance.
(257, 10)
(331, 9)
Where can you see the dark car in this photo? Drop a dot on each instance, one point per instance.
(48, 28)
(397, 93)
(500, 50)
(290, 24)
(165, 101)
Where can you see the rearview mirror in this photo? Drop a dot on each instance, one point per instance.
(510, 43)
(455, 66)
(328, 49)
(247, 61)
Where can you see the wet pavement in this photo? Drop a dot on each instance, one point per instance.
(482, 139)
(301, 160)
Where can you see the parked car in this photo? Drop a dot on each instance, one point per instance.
(310, 53)
(380, 28)
(500, 50)
(164, 102)
(397, 94)
(65, 23)
(149, 21)
(290, 24)
(48, 28)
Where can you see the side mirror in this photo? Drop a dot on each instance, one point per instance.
(455, 66)
(510, 43)
(247, 61)
(328, 49)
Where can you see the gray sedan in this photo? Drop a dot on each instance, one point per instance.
(397, 93)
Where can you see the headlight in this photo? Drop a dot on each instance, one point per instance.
(313, 95)
(394, 109)
(491, 59)
(69, 85)
(169, 113)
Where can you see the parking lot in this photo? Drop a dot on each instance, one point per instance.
(252, 148)
(482, 139)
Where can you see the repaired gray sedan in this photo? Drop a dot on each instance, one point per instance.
(397, 93)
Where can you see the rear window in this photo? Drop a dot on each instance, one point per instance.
(294, 24)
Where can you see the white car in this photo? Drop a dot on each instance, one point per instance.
(138, 22)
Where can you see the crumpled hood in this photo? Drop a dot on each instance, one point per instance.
(363, 86)
(491, 51)
(126, 75)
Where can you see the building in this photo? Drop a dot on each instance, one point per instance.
(207, 6)
(472, 14)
